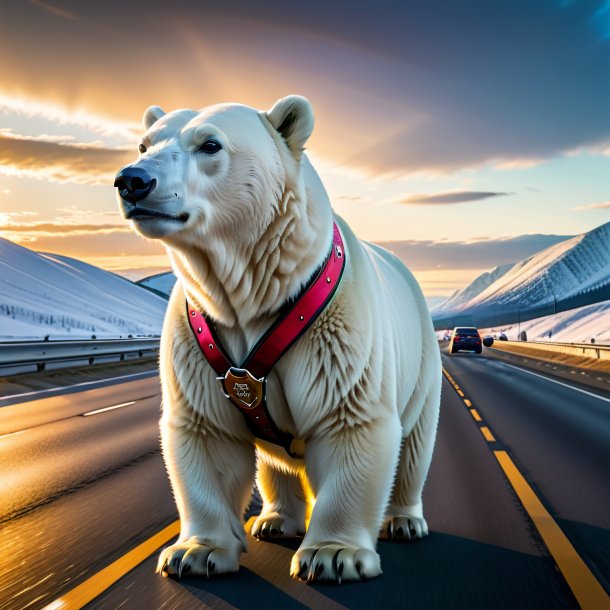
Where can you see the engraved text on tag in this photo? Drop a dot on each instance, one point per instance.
(243, 388)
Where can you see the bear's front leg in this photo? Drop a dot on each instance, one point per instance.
(351, 472)
(211, 475)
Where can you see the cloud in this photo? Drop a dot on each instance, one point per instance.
(449, 197)
(480, 254)
(60, 162)
(51, 228)
(51, 115)
(86, 245)
(517, 164)
(593, 206)
(73, 222)
(6, 218)
(69, 140)
(54, 10)
(73, 214)
(351, 198)
(424, 87)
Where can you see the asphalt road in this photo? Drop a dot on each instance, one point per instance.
(80, 491)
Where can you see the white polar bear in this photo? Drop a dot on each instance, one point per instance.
(246, 222)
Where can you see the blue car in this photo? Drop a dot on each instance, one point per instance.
(465, 338)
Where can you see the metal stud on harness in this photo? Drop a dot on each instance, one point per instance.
(245, 385)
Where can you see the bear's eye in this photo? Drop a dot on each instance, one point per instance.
(210, 147)
(142, 148)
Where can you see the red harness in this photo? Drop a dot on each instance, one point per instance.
(245, 386)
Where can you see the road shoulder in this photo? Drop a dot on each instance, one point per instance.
(578, 375)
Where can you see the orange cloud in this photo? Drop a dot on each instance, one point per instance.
(593, 206)
(60, 161)
(62, 115)
(53, 228)
(85, 245)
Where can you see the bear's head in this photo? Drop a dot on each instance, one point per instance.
(221, 172)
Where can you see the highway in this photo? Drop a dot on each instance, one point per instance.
(83, 485)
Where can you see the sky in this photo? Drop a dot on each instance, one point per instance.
(461, 134)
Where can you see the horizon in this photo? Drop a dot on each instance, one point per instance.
(477, 141)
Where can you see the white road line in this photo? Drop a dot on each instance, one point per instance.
(123, 404)
(84, 384)
(567, 385)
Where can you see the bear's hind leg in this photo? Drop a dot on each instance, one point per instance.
(211, 476)
(405, 516)
(284, 501)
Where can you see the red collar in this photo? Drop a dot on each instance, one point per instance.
(245, 385)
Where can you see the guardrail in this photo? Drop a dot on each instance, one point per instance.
(39, 353)
(585, 350)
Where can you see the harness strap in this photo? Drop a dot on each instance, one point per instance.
(245, 386)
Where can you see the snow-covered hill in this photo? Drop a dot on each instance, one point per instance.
(161, 283)
(48, 294)
(569, 268)
(574, 326)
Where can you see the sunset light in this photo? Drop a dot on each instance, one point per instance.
(304, 304)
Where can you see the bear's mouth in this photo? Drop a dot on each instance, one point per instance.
(137, 212)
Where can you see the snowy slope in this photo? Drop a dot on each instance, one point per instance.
(562, 270)
(161, 282)
(47, 294)
(574, 326)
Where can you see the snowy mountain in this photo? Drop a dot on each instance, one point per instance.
(48, 294)
(567, 269)
(464, 296)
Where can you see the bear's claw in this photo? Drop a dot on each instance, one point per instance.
(333, 562)
(194, 558)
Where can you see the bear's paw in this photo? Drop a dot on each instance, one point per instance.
(276, 525)
(196, 558)
(403, 528)
(335, 563)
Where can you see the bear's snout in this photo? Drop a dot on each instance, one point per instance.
(134, 183)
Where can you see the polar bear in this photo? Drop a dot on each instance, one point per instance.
(246, 222)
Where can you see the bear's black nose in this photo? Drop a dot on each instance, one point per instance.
(134, 184)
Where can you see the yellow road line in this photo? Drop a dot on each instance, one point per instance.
(98, 583)
(272, 566)
(94, 586)
(486, 432)
(467, 402)
(460, 393)
(587, 590)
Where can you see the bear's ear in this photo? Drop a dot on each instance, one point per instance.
(151, 116)
(292, 117)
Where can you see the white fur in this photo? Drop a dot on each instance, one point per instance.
(361, 387)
